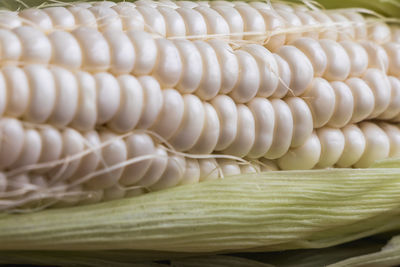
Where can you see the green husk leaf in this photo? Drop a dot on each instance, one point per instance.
(121, 259)
(259, 212)
(390, 8)
(318, 257)
(388, 256)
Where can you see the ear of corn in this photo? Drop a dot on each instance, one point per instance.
(106, 101)
(193, 80)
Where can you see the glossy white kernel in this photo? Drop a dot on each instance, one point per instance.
(338, 67)
(379, 32)
(283, 130)
(216, 24)
(310, 24)
(268, 69)
(43, 93)
(227, 114)
(267, 165)
(377, 56)
(154, 21)
(228, 63)
(328, 31)
(10, 46)
(377, 145)
(173, 173)
(284, 74)
(36, 47)
(12, 141)
(153, 102)
(293, 25)
(393, 133)
(36, 17)
(156, 169)
(168, 69)
(264, 121)
(175, 25)
(83, 16)
(131, 105)
(122, 52)
(303, 157)
(394, 107)
(302, 120)
(313, 50)
(320, 98)
(61, 17)
(95, 50)
(192, 66)
(233, 18)
(364, 100)
(344, 26)
(209, 169)
(67, 93)
(358, 23)
(171, 114)
(137, 145)
(196, 26)
(250, 168)
(191, 126)
(393, 51)
(145, 50)
(131, 18)
(108, 97)
(66, 50)
(211, 81)
(228, 167)
(300, 67)
(210, 133)
(332, 145)
(86, 114)
(358, 57)
(9, 19)
(344, 105)
(52, 143)
(17, 90)
(380, 86)
(249, 78)
(114, 153)
(192, 172)
(107, 18)
(245, 136)
(73, 144)
(273, 23)
(253, 22)
(31, 150)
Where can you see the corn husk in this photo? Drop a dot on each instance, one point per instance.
(259, 212)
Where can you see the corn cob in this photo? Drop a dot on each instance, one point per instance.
(106, 100)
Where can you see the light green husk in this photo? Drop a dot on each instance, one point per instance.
(259, 212)
(390, 8)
